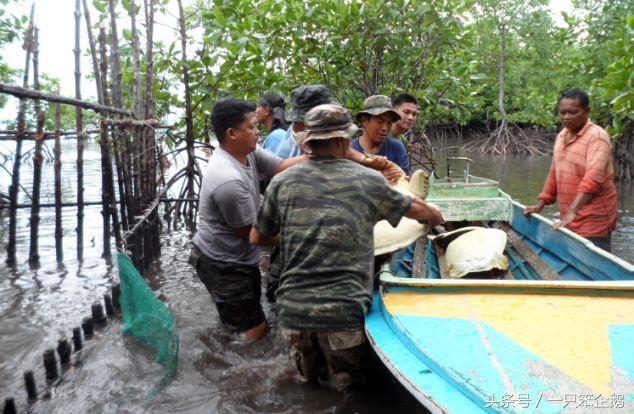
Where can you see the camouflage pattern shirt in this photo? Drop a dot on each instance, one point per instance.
(325, 210)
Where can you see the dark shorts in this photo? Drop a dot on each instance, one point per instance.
(234, 288)
(334, 358)
(604, 243)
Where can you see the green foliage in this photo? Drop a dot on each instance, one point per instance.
(10, 29)
(446, 52)
(601, 59)
(357, 48)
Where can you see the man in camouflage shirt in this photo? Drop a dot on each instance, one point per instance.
(323, 213)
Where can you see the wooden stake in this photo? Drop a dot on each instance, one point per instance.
(34, 257)
(59, 230)
(15, 177)
(80, 138)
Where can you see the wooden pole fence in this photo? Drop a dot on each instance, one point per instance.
(20, 92)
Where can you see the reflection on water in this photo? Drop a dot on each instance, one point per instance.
(216, 372)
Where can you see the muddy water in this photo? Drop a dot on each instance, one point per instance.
(216, 371)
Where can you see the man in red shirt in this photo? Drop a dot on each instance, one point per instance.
(581, 176)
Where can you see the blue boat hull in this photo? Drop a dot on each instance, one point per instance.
(524, 345)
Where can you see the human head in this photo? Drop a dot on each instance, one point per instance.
(406, 106)
(271, 106)
(327, 122)
(304, 99)
(233, 121)
(377, 117)
(378, 105)
(578, 94)
(574, 109)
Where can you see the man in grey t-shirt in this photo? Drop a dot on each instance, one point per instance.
(229, 200)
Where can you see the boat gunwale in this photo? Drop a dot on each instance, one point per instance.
(620, 286)
(587, 243)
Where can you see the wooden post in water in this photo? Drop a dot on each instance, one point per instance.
(150, 169)
(80, 138)
(101, 79)
(15, 177)
(59, 230)
(34, 257)
(138, 150)
(120, 136)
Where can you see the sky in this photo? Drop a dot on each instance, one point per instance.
(56, 22)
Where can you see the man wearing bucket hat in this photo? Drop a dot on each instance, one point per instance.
(323, 212)
(303, 99)
(377, 117)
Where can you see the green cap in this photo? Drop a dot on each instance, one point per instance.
(305, 98)
(378, 105)
(329, 121)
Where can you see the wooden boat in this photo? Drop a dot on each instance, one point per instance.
(551, 334)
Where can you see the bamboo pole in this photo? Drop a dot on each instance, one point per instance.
(151, 158)
(31, 135)
(24, 92)
(99, 72)
(59, 230)
(138, 147)
(122, 147)
(109, 171)
(109, 199)
(80, 138)
(34, 257)
(93, 54)
(15, 176)
(94, 203)
(146, 123)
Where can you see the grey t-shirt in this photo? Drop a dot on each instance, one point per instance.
(229, 199)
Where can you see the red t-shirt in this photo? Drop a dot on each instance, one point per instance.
(584, 165)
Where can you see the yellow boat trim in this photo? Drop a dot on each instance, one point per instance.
(568, 331)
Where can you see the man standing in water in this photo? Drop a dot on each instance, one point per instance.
(303, 99)
(581, 175)
(323, 212)
(229, 199)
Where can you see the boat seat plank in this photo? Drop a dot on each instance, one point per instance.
(531, 257)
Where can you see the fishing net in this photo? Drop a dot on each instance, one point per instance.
(147, 319)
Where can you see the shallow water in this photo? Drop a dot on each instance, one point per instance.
(216, 371)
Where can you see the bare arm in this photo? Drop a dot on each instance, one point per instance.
(376, 162)
(258, 239)
(534, 209)
(580, 200)
(423, 212)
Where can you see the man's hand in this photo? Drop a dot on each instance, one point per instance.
(392, 174)
(424, 213)
(534, 209)
(567, 219)
(258, 239)
(376, 162)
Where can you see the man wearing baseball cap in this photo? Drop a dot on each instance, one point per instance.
(323, 212)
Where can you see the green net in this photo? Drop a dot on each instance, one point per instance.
(147, 319)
